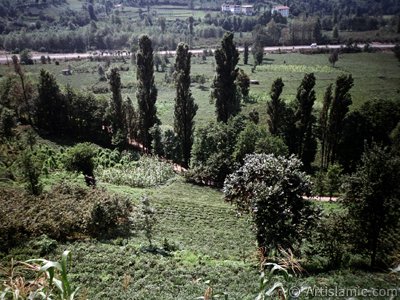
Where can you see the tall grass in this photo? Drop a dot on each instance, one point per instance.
(146, 172)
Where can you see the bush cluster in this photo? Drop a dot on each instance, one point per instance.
(145, 172)
(64, 212)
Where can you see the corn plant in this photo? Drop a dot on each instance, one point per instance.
(275, 283)
(51, 280)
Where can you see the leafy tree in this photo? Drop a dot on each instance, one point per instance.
(338, 110)
(243, 83)
(334, 57)
(333, 179)
(246, 54)
(317, 31)
(335, 33)
(212, 150)
(157, 146)
(323, 123)
(373, 122)
(396, 51)
(31, 170)
(256, 139)
(80, 159)
(185, 108)
(224, 89)
(171, 145)
(276, 108)
(18, 70)
(147, 218)
(304, 102)
(258, 53)
(26, 57)
(372, 199)
(51, 109)
(117, 114)
(146, 93)
(92, 15)
(7, 122)
(163, 23)
(270, 189)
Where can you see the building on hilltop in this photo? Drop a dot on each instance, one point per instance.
(236, 9)
(281, 9)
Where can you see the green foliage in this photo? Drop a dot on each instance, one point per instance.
(31, 169)
(84, 211)
(270, 189)
(332, 240)
(51, 279)
(396, 51)
(51, 109)
(80, 159)
(147, 218)
(255, 138)
(117, 114)
(224, 89)
(334, 57)
(306, 144)
(243, 83)
(333, 179)
(26, 57)
(146, 172)
(212, 151)
(7, 122)
(185, 108)
(372, 198)
(146, 93)
(276, 108)
(337, 112)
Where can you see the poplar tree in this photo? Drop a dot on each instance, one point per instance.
(117, 109)
(224, 88)
(246, 54)
(146, 93)
(276, 108)
(304, 121)
(185, 108)
(323, 123)
(339, 108)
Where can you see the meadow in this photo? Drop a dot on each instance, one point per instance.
(376, 75)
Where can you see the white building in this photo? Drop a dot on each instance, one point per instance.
(282, 10)
(237, 9)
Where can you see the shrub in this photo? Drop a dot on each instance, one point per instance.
(65, 212)
(271, 189)
(80, 159)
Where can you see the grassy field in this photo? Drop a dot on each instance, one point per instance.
(376, 75)
(211, 247)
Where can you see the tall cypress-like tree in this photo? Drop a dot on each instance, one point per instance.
(224, 88)
(116, 104)
(339, 108)
(246, 54)
(51, 110)
(146, 93)
(117, 113)
(306, 142)
(185, 108)
(276, 108)
(323, 124)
